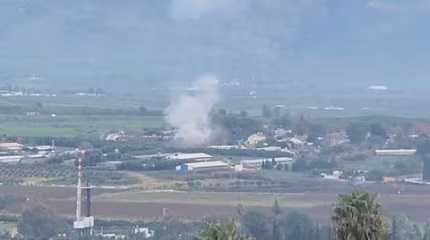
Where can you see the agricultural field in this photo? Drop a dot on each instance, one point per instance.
(73, 116)
(74, 125)
(139, 204)
(65, 102)
(49, 174)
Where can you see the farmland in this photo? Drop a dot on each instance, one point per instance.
(134, 204)
(74, 125)
(48, 174)
(71, 116)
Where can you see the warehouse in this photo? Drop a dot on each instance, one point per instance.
(203, 166)
(190, 157)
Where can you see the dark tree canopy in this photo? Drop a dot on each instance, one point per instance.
(38, 223)
(423, 150)
(357, 132)
(256, 224)
(358, 216)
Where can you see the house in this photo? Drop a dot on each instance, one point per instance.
(255, 139)
(422, 129)
(296, 142)
(336, 175)
(115, 137)
(280, 133)
(144, 231)
(203, 166)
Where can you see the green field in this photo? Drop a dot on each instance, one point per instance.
(218, 198)
(75, 116)
(59, 103)
(74, 125)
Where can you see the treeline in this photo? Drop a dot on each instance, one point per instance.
(355, 216)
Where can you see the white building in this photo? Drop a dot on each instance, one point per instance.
(225, 147)
(146, 232)
(116, 136)
(256, 139)
(203, 166)
(395, 152)
(190, 157)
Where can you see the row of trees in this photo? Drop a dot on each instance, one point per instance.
(356, 216)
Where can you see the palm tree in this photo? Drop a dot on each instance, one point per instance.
(227, 231)
(357, 217)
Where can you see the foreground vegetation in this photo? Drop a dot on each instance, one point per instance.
(356, 216)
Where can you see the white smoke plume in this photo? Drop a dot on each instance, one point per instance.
(190, 114)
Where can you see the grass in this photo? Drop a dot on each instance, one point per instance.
(72, 101)
(217, 198)
(74, 125)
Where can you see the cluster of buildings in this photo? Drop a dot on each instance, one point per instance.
(202, 162)
(13, 152)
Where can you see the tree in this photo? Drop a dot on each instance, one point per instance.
(358, 217)
(276, 210)
(297, 226)
(266, 112)
(143, 110)
(423, 150)
(302, 126)
(357, 132)
(283, 121)
(256, 225)
(39, 105)
(299, 165)
(38, 223)
(376, 129)
(6, 200)
(243, 114)
(227, 231)
(404, 229)
(426, 233)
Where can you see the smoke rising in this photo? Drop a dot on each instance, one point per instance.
(190, 114)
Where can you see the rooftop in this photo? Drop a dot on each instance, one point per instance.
(187, 156)
(207, 164)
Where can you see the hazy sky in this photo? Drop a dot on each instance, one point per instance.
(110, 42)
